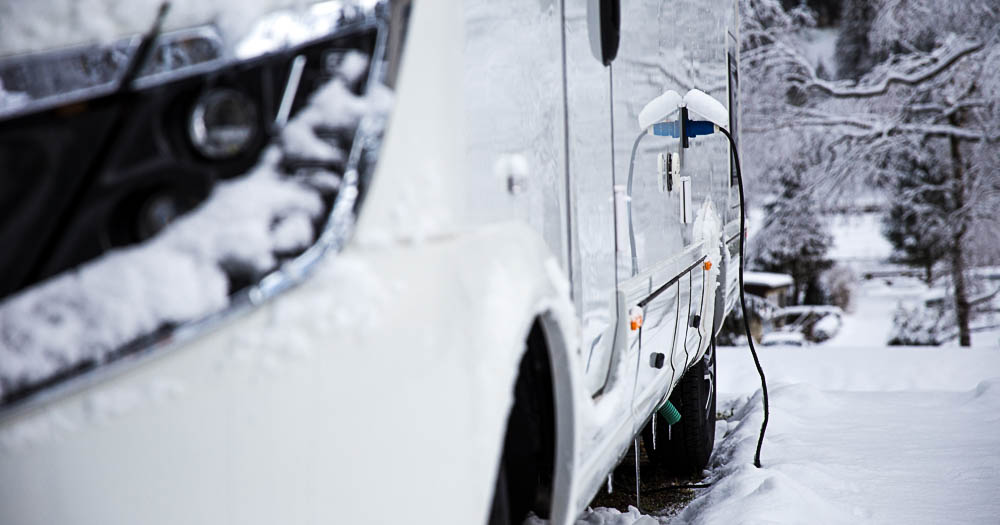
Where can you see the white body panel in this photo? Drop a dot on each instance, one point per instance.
(390, 396)
(365, 401)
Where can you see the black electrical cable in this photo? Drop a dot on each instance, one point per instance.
(743, 302)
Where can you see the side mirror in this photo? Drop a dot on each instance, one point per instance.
(604, 27)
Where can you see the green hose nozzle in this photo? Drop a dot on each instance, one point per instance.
(669, 412)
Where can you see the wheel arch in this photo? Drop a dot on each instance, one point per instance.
(547, 349)
(565, 389)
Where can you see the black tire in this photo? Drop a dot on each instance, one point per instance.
(500, 510)
(524, 476)
(517, 476)
(685, 449)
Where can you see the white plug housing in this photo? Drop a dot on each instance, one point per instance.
(675, 169)
(705, 105)
(668, 171)
(663, 171)
(659, 108)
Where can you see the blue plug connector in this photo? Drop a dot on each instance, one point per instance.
(673, 129)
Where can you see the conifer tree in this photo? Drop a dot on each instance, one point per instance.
(794, 239)
(917, 220)
(854, 55)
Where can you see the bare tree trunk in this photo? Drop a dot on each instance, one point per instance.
(961, 295)
(929, 273)
(958, 247)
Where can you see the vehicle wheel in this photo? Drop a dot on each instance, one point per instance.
(517, 476)
(524, 476)
(686, 448)
(500, 510)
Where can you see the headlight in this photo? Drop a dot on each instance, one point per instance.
(156, 213)
(223, 123)
(242, 246)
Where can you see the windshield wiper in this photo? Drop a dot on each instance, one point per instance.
(142, 54)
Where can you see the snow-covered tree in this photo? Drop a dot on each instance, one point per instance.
(794, 239)
(919, 209)
(933, 93)
(917, 326)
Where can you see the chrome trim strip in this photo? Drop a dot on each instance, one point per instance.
(291, 88)
(676, 278)
(639, 287)
(148, 80)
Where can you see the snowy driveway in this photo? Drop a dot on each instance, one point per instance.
(859, 432)
(857, 435)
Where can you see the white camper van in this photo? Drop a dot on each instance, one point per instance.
(374, 262)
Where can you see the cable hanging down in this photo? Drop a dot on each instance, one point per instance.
(652, 121)
(743, 301)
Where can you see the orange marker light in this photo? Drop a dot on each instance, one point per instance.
(708, 265)
(635, 318)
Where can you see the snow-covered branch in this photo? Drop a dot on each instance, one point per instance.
(945, 59)
(871, 125)
(942, 110)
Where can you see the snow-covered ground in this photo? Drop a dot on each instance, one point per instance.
(859, 432)
(858, 238)
(859, 435)
(870, 321)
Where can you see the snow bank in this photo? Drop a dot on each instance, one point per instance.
(182, 274)
(857, 435)
(864, 369)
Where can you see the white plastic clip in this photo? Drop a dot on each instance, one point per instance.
(686, 211)
(675, 169)
(663, 171)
